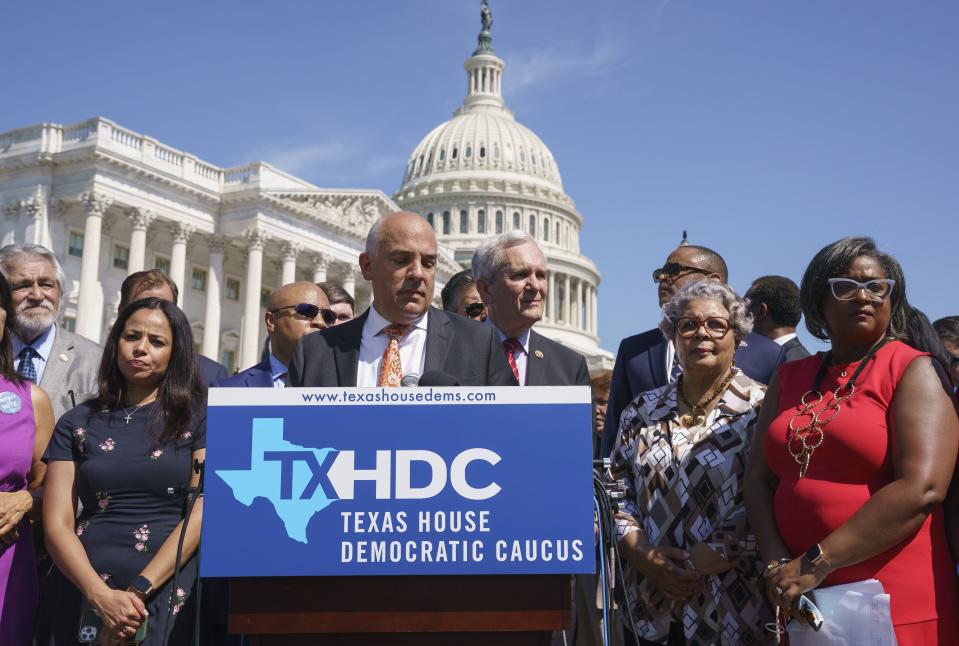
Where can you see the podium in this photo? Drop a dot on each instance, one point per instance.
(456, 516)
(517, 610)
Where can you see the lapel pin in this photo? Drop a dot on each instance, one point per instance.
(64, 357)
(538, 353)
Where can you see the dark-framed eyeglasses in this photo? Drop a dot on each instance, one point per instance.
(715, 326)
(846, 289)
(672, 270)
(309, 311)
(475, 310)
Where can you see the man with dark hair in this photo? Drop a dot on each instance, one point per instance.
(948, 330)
(459, 295)
(341, 302)
(776, 309)
(646, 361)
(153, 282)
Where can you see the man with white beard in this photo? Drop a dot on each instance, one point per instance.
(64, 364)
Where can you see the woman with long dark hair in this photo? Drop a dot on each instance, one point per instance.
(122, 453)
(26, 422)
(854, 452)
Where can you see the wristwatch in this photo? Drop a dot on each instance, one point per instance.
(817, 559)
(142, 586)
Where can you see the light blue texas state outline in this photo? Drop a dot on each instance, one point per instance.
(262, 480)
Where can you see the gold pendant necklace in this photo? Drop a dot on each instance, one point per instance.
(696, 415)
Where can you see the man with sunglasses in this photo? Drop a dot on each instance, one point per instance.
(292, 311)
(459, 295)
(645, 361)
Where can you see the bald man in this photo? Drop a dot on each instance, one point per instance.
(645, 361)
(401, 334)
(292, 312)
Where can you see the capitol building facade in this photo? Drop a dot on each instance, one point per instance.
(109, 201)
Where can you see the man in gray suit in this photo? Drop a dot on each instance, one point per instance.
(510, 274)
(64, 364)
(400, 334)
(774, 304)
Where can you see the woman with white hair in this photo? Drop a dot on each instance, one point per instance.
(681, 452)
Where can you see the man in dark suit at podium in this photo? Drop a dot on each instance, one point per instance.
(510, 274)
(646, 361)
(400, 334)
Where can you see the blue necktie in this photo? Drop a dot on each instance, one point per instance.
(27, 370)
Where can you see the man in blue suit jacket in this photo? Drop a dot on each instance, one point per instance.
(645, 361)
(287, 321)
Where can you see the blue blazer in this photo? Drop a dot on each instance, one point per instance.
(641, 366)
(259, 376)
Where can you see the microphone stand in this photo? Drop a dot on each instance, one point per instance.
(192, 495)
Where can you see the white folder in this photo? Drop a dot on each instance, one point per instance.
(855, 614)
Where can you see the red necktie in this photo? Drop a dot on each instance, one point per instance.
(512, 346)
(391, 370)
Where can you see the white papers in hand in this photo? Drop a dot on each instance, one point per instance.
(856, 614)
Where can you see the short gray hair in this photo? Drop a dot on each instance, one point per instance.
(740, 320)
(12, 253)
(488, 257)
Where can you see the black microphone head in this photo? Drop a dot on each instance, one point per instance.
(411, 379)
(438, 378)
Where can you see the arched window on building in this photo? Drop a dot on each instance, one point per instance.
(499, 222)
(481, 221)
(464, 221)
(429, 218)
(546, 229)
(482, 152)
(556, 235)
(469, 151)
(453, 155)
(446, 223)
(442, 154)
(516, 224)
(532, 225)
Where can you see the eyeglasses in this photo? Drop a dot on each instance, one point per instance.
(846, 289)
(309, 311)
(475, 310)
(671, 271)
(716, 328)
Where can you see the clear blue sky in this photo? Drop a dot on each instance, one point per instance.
(767, 129)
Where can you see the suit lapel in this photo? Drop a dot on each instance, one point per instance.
(439, 338)
(535, 364)
(346, 350)
(56, 369)
(657, 363)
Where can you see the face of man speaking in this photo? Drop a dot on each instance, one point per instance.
(35, 295)
(516, 297)
(402, 267)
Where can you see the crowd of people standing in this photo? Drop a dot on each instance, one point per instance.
(754, 471)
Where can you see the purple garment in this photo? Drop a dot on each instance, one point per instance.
(18, 564)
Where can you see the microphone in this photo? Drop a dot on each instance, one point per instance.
(409, 380)
(438, 378)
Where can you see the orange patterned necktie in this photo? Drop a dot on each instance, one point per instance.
(391, 370)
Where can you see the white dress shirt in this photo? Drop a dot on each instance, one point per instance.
(373, 344)
(670, 357)
(278, 372)
(784, 339)
(519, 357)
(43, 344)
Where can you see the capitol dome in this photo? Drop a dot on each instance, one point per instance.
(482, 173)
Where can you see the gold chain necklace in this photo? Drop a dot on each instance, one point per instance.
(802, 440)
(696, 416)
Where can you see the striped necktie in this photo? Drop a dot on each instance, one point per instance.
(27, 370)
(512, 346)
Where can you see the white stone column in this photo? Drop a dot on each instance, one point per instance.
(250, 333)
(140, 220)
(594, 303)
(11, 212)
(211, 319)
(35, 213)
(580, 306)
(349, 280)
(90, 299)
(551, 298)
(567, 309)
(181, 233)
(290, 251)
(320, 264)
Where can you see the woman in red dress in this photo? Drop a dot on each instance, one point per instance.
(854, 452)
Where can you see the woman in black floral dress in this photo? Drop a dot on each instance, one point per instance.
(128, 455)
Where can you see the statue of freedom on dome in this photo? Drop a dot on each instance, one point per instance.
(486, 16)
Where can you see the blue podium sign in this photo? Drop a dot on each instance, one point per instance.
(374, 481)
